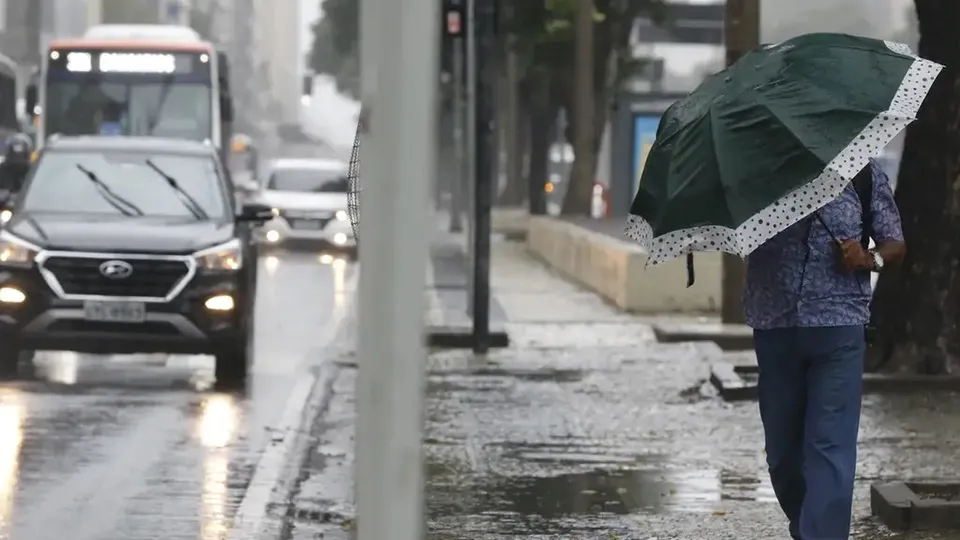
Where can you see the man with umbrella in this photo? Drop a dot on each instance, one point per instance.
(807, 297)
(773, 160)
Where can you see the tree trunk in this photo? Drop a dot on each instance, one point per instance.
(523, 142)
(579, 195)
(514, 193)
(916, 308)
(541, 129)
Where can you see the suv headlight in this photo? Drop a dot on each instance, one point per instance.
(225, 257)
(16, 251)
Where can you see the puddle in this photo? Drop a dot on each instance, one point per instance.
(621, 492)
(492, 378)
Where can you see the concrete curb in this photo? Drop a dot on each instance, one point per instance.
(916, 506)
(512, 223)
(737, 382)
(461, 337)
(615, 270)
(729, 337)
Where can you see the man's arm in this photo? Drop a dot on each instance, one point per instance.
(887, 230)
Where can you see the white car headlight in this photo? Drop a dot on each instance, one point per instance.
(227, 256)
(14, 250)
(342, 215)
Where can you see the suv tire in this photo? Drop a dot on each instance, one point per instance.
(10, 355)
(232, 364)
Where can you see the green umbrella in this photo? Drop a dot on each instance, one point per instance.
(768, 141)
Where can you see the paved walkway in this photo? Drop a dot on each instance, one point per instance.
(586, 427)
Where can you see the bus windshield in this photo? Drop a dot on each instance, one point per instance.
(138, 93)
(152, 106)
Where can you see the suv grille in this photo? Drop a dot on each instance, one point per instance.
(151, 278)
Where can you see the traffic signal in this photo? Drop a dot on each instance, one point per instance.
(454, 17)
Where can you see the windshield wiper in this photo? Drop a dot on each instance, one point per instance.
(125, 207)
(188, 201)
(161, 101)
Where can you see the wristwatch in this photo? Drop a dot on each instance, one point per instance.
(877, 260)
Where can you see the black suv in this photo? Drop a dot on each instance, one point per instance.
(128, 245)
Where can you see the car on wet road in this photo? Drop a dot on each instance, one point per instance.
(129, 245)
(309, 201)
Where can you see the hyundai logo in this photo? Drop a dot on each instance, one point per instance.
(116, 269)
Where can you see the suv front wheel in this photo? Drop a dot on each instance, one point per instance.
(11, 355)
(233, 365)
(233, 361)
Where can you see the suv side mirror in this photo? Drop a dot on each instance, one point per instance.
(255, 213)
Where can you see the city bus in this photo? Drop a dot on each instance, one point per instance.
(134, 80)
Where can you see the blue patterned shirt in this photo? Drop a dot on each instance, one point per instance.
(794, 279)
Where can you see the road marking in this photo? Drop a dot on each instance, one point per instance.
(251, 517)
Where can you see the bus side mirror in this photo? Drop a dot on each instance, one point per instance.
(31, 100)
(226, 108)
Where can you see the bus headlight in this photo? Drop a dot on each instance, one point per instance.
(342, 215)
(14, 251)
(224, 257)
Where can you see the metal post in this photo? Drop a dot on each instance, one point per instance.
(485, 167)
(457, 183)
(398, 170)
(470, 129)
(742, 34)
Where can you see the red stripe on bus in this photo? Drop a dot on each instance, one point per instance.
(131, 45)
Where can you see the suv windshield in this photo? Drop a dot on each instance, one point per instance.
(94, 182)
(308, 180)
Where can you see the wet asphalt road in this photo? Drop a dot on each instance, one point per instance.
(98, 448)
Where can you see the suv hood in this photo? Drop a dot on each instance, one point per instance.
(292, 200)
(120, 234)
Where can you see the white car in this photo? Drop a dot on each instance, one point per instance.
(309, 201)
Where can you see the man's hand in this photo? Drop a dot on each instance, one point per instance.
(853, 258)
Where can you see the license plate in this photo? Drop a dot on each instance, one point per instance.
(122, 312)
(306, 224)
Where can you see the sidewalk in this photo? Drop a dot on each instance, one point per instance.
(586, 427)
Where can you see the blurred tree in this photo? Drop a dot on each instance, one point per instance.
(909, 34)
(545, 33)
(201, 21)
(542, 35)
(335, 49)
(917, 308)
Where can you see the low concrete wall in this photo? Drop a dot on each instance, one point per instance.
(511, 222)
(615, 269)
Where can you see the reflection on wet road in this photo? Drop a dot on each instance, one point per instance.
(140, 447)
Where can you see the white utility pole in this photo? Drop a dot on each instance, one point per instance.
(399, 66)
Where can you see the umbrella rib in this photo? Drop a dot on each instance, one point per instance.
(716, 158)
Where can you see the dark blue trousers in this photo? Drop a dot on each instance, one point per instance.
(810, 392)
